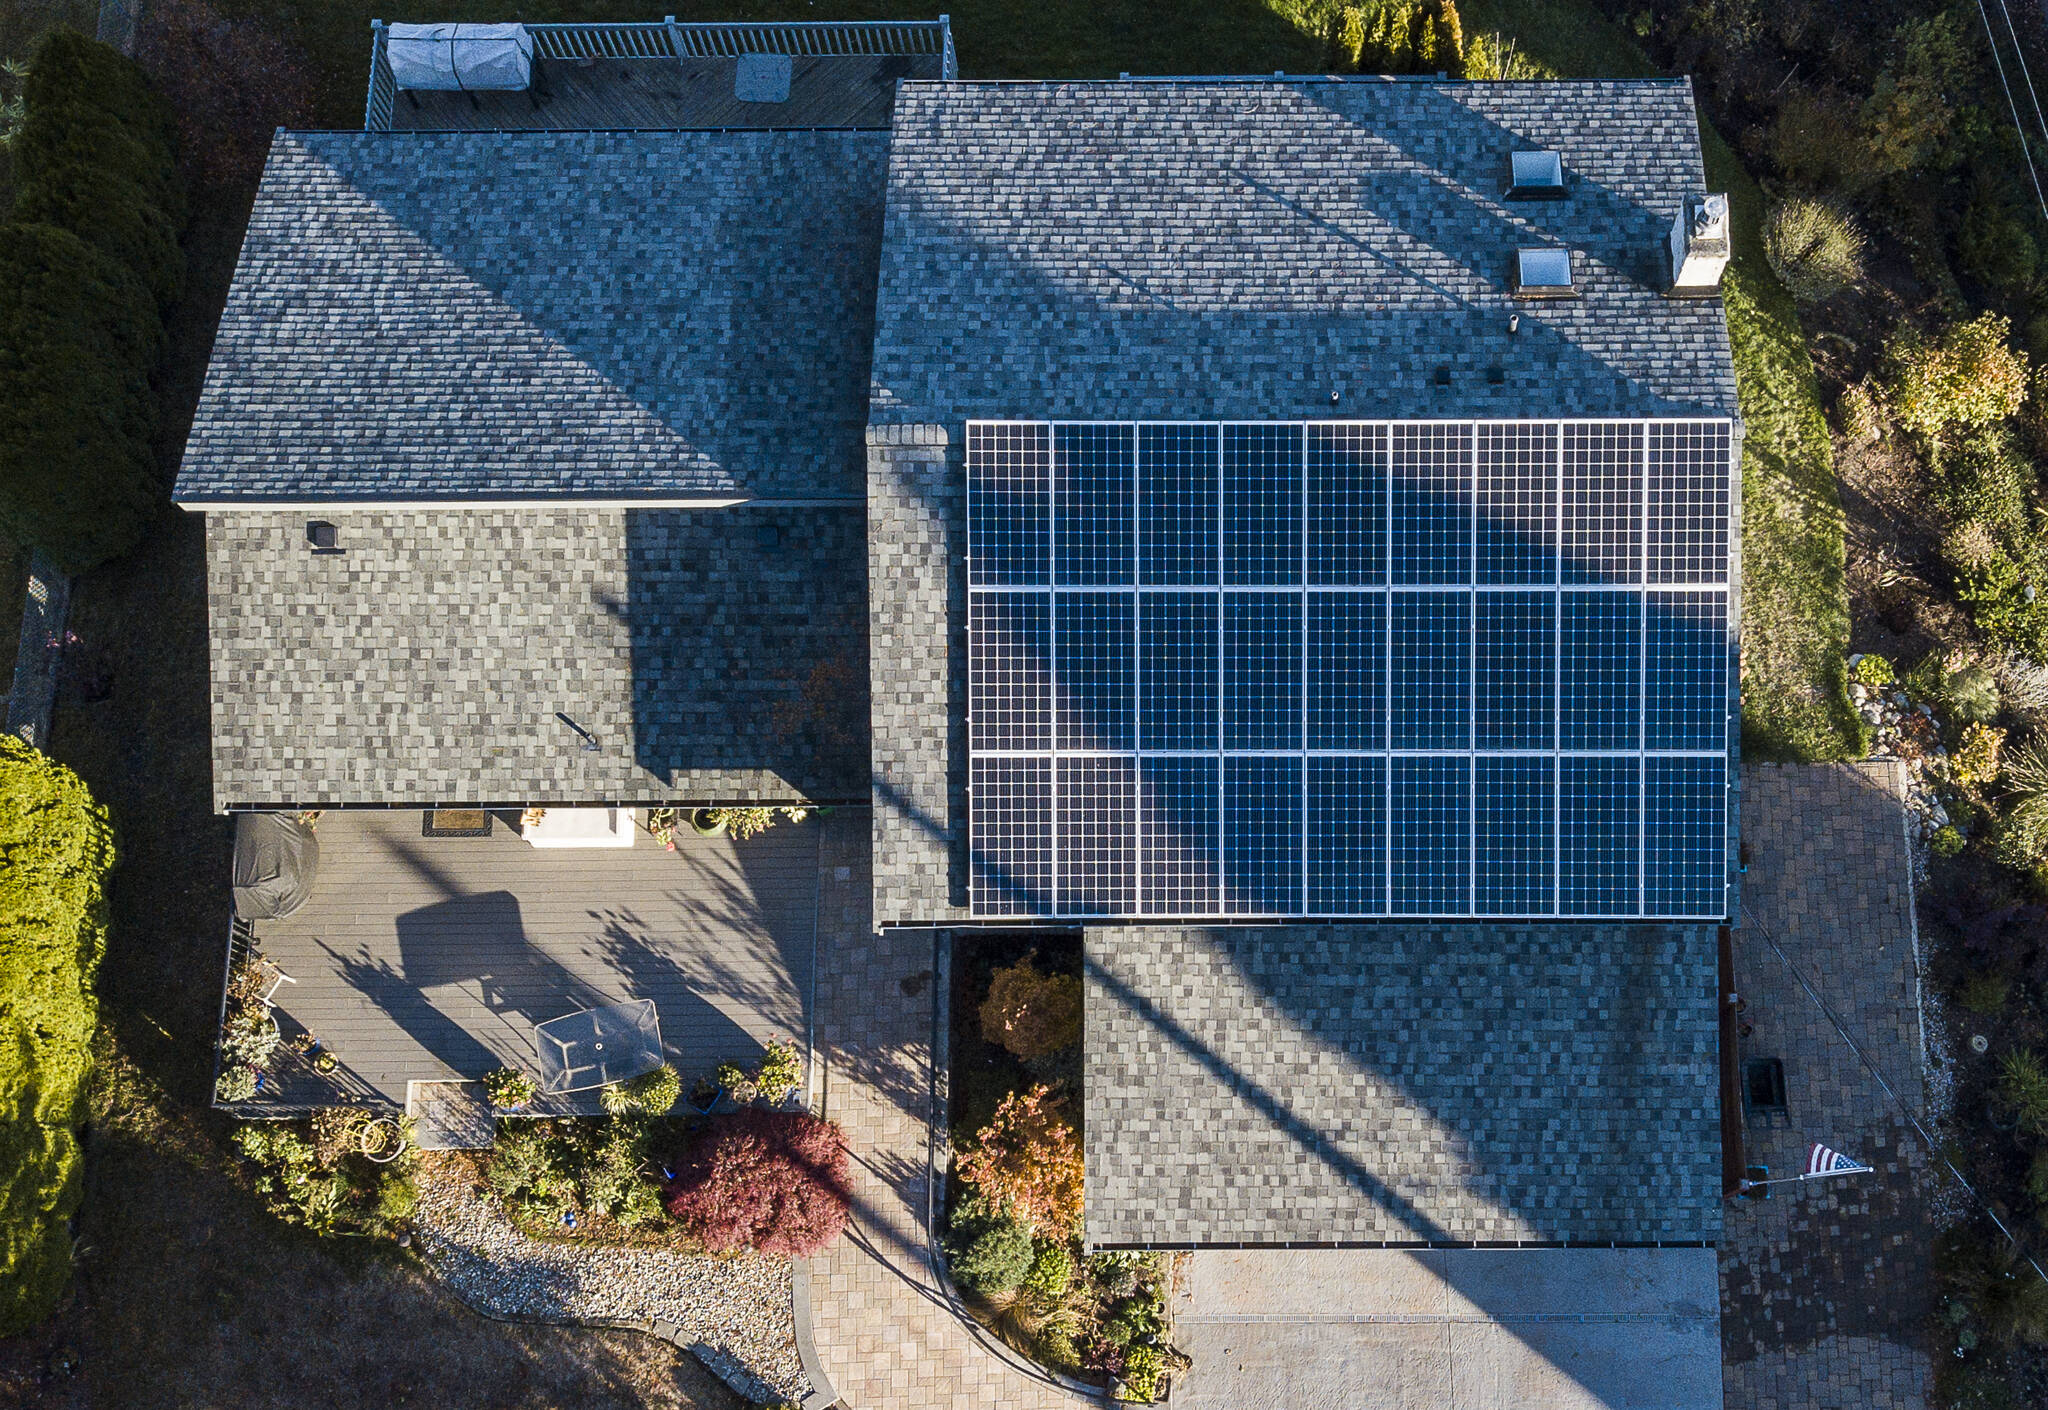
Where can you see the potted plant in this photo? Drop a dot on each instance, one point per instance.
(661, 825)
(704, 1095)
(780, 1073)
(735, 1080)
(509, 1089)
(707, 822)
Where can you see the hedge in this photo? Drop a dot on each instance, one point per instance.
(78, 339)
(56, 847)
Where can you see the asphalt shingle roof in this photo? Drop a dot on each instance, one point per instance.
(1402, 1084)
(718, 655)
(571, 315)
(1231, 249)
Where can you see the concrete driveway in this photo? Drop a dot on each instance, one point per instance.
(1480, 1329)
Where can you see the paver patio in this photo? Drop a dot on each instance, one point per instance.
(1826, 1288)
(885, 1335)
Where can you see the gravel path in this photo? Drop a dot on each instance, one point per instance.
(734, 1314)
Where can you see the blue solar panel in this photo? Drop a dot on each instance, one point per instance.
(1598, 807)
(1601, 666)
(1091, 500)
(1515, 831)
(1516, 670)
(1603, 504)
(1432, 504)
(1177, 488)
(1685, 837)
(1347, 505)
(1261, 670)
(1432, 660)
(1262, 471)
(1178, 670)
(1094, 646)
(1262, 836)
(1009, 700)
(1517, 504)
(1689, 489)
(1686, 702)
(1012, 852)
(1009, 471)
(1347, 670)
(1347, 836)
(1181, 856)
(1431, 835)
(1098, 848)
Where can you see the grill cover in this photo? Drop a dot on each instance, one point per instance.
(276, 859)
(460, 57)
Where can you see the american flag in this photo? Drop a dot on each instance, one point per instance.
(1826, 1162)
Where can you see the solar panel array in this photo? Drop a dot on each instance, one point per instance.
(1348, 669)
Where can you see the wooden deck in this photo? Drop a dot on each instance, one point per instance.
(421, 958)
(671, 94)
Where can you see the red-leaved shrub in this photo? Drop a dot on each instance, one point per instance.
(768, 1180)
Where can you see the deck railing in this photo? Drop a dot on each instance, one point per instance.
(669, 39)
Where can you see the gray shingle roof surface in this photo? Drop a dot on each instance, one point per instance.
(713, 661)
(1402, 1084)
(1230, 249)
(579, 315)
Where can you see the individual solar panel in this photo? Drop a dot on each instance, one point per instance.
(1688, 494)
(1261, 670)
(1097, 802)
(1685, 837)
(1262, 489)
(1012, 872)
(1180, 872)
(1515, 835)
(1009, 469)
(1094, 645)
(1603, 503)
(1515, 670)
(1430, 835)
(1598, 803)
(1600, 658)
(1262, 835)
(1347, 836)
(1432, 503)
(1347, 505)
(1091, 505)
(1009, 701)
(1179, 670)
(1432, 669)
(1685, 700)
(1178, 469)
(1517, 504)
(1347, 670)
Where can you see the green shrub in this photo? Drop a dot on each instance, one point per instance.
(508, 1088)
(1144, 1368)
(78, 340)
(1052, 1270)
(1996, 249)
(1969, 375)
(316, 1176)
(780, 1072)
(108, 215)
(68, 68)
(1975, 762)
(1985, 992)
(2023, 1089)
(542, 1170)
(1814, 140)
(1814, 246)
(1399, 36)
(1910, 114)
(1872, 670)
(651, 1092)
(988, 1251)
(56, 848)
(1971, 694)
(1947, 840)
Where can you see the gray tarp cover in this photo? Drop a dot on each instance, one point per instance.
(276, 858)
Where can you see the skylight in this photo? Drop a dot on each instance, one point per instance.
(1535, 176)
(1543, 273)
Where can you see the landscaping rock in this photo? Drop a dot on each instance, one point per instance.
(733, 1314)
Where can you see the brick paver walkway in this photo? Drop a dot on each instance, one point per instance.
(884, 1334)
(1825, 1287)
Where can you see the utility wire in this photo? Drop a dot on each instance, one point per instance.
(2020, 57)
(1829, 1014)
(2026, 148)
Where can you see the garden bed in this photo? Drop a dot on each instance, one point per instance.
(1013, 1203)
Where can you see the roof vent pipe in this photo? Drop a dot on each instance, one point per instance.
(1699, 246)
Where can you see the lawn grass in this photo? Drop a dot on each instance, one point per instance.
(1795, 602)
